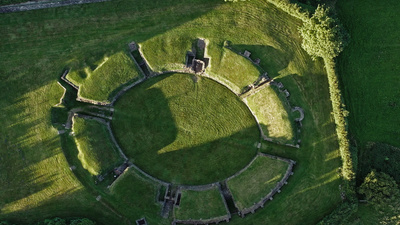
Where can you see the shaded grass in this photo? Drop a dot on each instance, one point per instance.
(200, 205)
(135, 197)
(369, 70)
(272, 115)
(97, 153)
(185, 132)
(257, 181)
(109, 74)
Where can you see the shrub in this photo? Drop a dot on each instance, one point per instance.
(292, 9)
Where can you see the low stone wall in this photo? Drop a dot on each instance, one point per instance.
(205, 221)
(63, 95)
(115, 141)
(199, 187)
(148, 175)
(277, 188)
(43, 5)
(63, 77)
(125, 89)
(98, 119)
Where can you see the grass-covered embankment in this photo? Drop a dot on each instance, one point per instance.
(97, 152)
(273, 114)
(109, 74)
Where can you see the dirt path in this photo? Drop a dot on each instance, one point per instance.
(43, 5)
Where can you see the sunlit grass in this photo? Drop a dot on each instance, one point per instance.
(110, 73)
(167, 53)
(97, 152)
(272, 114)
(231, 68)
(257, 181)
(200, 205)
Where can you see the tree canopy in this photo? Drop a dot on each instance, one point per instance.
(323, 35)
(379, 187)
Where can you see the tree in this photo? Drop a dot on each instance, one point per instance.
(322, 34)
(379, 187)
(83, 221)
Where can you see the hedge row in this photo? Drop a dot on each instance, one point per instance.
(348, 168)
(292, 9)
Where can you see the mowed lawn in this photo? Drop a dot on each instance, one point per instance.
(369, 69)
(200, 205)
(257, 181)
(185, 131)
(273, 114)
(110, 73)
(39, 45)
(97, 152)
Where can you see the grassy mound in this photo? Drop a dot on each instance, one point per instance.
(110, 73)
(257, 181)
(185, 131)
(165, 54)
(272, 114)
(200, 205)
(96, 151)
(230, 68)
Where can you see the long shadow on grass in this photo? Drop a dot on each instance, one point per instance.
(83, 34)
(152, 127)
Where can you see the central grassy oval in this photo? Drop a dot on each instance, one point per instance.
(185, 129)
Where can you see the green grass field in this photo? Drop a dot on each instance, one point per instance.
(369, 70)
(257, 181)
(200, 205)
(272, 114)
(97, 153)
(369, 74)
(108, 75)
(38, 45)
(186, 132)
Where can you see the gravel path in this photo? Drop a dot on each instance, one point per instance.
(43, 5)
